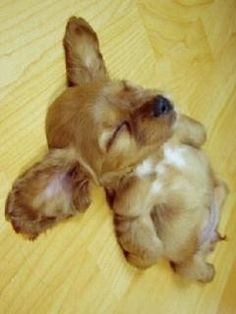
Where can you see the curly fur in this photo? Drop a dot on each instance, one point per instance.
(159, 183)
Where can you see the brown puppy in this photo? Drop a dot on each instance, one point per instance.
(130, 140)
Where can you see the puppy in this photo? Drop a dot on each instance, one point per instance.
(130, 140)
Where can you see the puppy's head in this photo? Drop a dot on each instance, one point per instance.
(112, 124)
(97, 129)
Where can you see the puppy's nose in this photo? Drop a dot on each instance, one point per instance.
(161, 106)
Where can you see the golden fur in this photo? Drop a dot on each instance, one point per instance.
(158, 182)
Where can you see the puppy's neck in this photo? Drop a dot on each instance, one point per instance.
(113, 180)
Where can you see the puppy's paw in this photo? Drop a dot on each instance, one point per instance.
(203, 272)
(190, 131)
(199, 134)
(206, 273)
(139, 261)
(146, 258)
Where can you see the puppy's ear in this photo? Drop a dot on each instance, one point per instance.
(84, 62)
(48, 192)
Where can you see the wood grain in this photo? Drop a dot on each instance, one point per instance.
(185, 47)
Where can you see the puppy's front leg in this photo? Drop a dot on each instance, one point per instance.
(138, 239)
(189, 131)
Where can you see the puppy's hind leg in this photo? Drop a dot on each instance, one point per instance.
(196, 267)
(138, 239)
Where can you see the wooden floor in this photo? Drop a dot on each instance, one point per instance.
(185, 47)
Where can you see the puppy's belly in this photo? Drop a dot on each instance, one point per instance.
(181, 193)
(182, 174)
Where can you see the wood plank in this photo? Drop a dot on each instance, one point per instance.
(186, 48)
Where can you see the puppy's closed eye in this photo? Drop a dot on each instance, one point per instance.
(123, 129)
(115, 136)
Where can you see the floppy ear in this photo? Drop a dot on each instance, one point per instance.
(48, 192)
(84, 62)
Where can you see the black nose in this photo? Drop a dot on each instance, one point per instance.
(161, 106)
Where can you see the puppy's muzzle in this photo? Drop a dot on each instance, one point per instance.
(161, 106)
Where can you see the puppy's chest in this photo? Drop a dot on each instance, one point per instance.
(174, 162)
